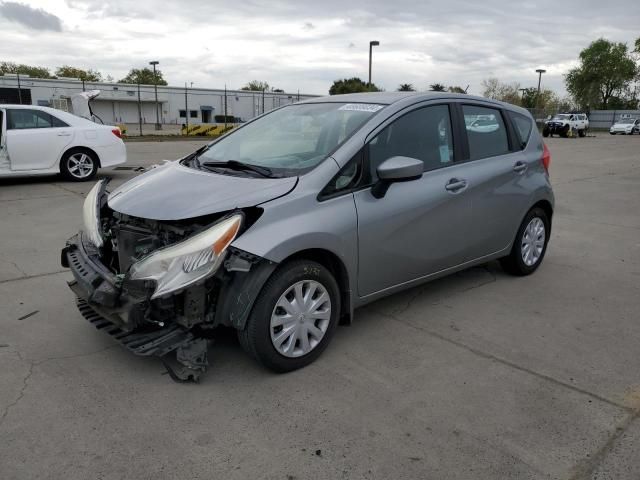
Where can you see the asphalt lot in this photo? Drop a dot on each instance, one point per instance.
(476, 376)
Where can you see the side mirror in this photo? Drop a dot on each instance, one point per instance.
(396, 169)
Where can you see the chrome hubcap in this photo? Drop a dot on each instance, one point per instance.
(80, 165)
(300, 318)
(533, 242)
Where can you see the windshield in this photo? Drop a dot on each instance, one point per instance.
(626, 121)
(293, 139)
(561, 117)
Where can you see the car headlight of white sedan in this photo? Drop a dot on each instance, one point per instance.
(185, 263)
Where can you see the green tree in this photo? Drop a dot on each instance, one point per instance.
(606, 70)
(456, 89)
(437, 87)
(73, 72)
(406, 87)
(256, 86)
(351, 85)
(144, 76)
(21, 69)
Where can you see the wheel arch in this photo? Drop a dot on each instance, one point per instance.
(546, 206)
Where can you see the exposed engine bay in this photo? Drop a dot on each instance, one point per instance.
(152, 286)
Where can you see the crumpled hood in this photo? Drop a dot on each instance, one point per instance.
(175, 192)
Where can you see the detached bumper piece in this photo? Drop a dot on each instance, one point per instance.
(189, 361)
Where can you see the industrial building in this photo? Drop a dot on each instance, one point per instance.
(121, 103)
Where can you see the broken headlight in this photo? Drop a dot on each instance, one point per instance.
(91, 215)
(187, 262)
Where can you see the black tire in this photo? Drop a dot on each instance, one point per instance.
(256, 336)
(545, 132)
(513, 263)
(88, 159)
(612, 133)
(582, 133)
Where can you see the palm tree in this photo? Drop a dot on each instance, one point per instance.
(437, 87)
(406, 87)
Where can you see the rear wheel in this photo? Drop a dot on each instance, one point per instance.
(294, 317)
(582, 133)
(79, 165)
(530, 244)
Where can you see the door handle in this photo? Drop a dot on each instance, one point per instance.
(455, 186)
(63, 134)
(520, 167)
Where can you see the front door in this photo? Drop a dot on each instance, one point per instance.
(4, 156)
(418, 227)
(35, 139)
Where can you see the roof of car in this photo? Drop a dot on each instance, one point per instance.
(387, 98)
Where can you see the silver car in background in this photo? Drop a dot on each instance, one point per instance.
(282, 228)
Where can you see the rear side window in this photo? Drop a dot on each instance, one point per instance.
(21, 119)
(486, 132)
(523, 127)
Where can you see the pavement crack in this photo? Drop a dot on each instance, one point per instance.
(36, 363)
(29, 277)
(506, 362)
(584, 470)
(25, 383)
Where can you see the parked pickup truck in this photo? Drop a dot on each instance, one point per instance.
(562, 123)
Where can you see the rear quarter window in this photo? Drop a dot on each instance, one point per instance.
(523, 126)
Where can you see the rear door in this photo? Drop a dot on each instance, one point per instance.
(35, 138)
(496, 170)
(419, 226)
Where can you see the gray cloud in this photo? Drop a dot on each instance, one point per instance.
(307, 44)
(35, 18)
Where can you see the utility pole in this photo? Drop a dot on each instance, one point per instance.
(186, 110)
(540, 71)
(19, 89)
(373, 43)
(83, 85)
(225, 106)
(155, 87)
(262, 99)
(139, 110)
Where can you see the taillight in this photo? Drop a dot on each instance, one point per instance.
(117, 132)
(546, 158)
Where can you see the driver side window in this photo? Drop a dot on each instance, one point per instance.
(424, 134)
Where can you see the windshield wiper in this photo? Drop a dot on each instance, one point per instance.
(237, 165)
(196, 154)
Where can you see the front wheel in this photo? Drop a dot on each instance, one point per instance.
(582, 133)
(79, 165)
(545, 132)
(294, 317)
(530, 244)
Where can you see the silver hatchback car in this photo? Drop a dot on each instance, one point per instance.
(283, 227)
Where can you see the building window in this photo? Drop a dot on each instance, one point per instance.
(183, 113)
(193, 113)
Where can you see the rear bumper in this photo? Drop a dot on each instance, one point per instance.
(111, 155)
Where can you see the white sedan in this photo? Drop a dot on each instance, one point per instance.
(626, 126)
(43, 141)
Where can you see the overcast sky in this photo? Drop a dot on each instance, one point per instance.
(306, 45)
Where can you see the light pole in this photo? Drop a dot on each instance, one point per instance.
(155, 87)
(373, 43)
(540, 71)
(186, 109)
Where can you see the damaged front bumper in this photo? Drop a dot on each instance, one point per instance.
(174, 329)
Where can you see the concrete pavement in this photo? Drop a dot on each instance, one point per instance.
(476, 376)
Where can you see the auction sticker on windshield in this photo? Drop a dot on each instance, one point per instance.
(361, 107)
